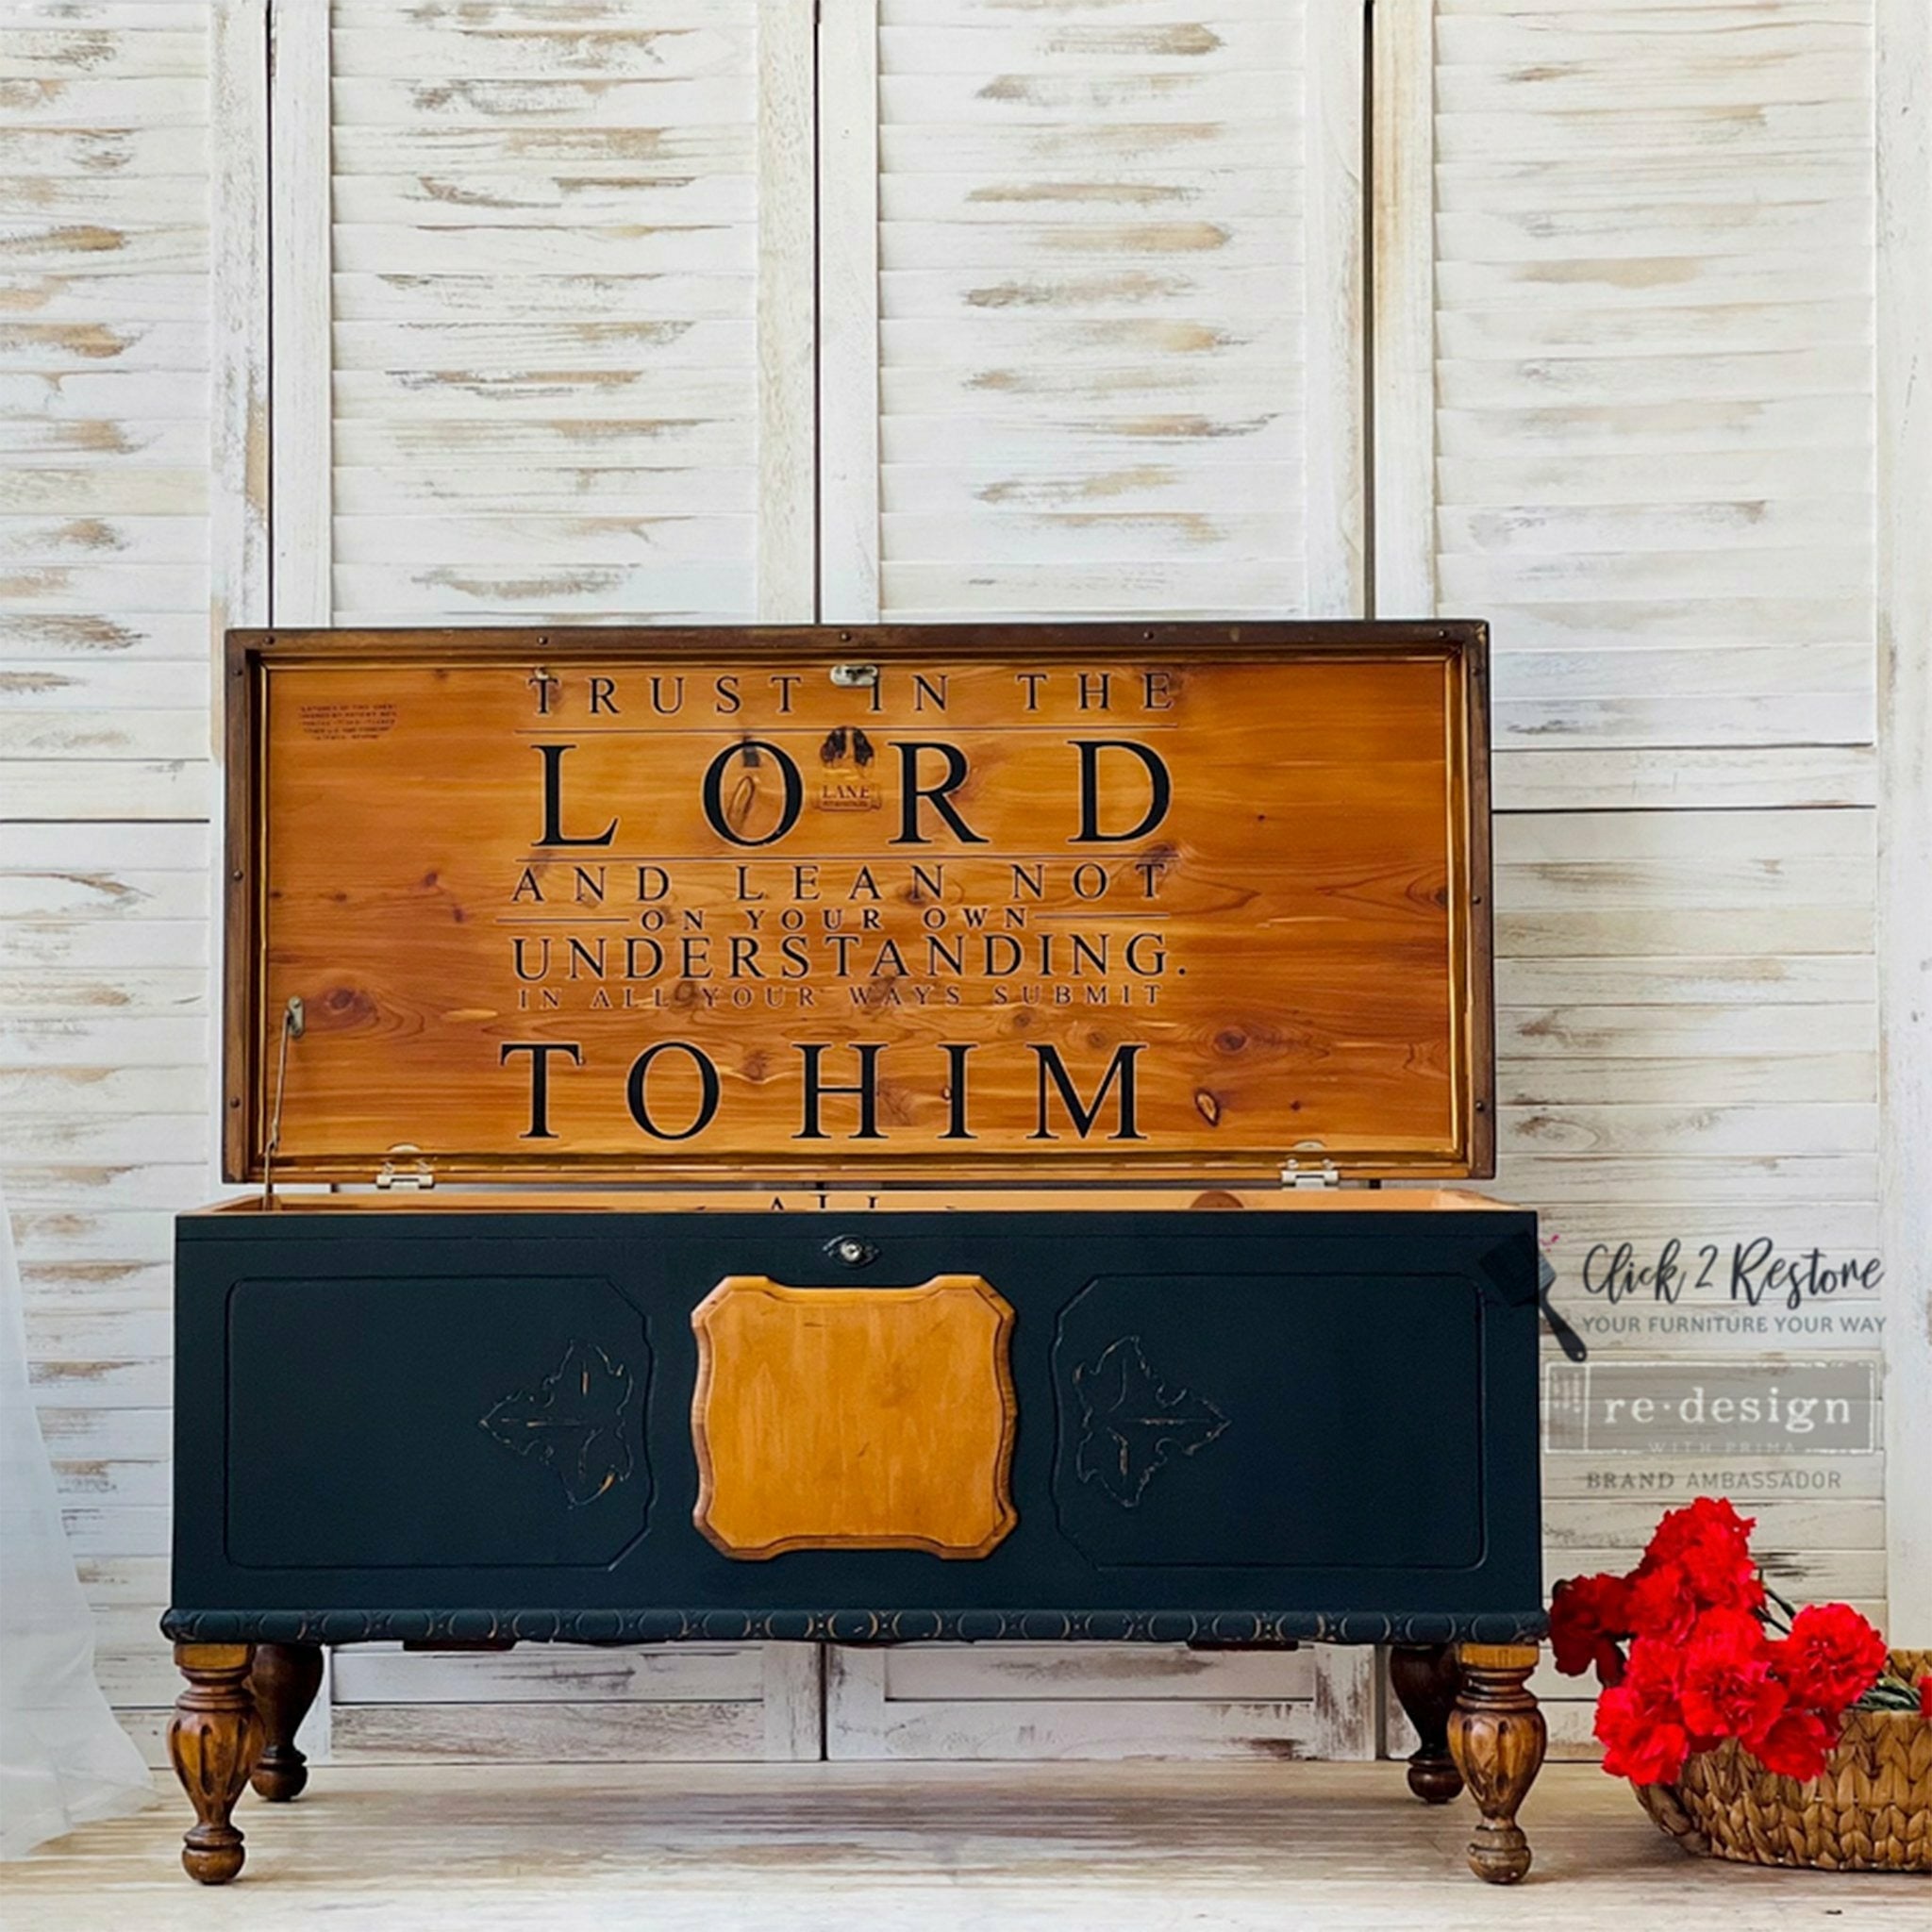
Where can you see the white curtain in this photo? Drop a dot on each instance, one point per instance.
(63, 1759)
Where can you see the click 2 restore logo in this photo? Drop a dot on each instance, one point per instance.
(1625, 1293)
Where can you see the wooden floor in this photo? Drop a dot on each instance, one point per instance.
(942, 1848)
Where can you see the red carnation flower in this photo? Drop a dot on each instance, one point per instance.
(1661, 1603)
(1710, 1519)
(1831, 1658)
(1797, 1745)
(1710, 1543)
(1640, 1721)
(1925, 1696)
(1588, 1617)
(1728, 1691)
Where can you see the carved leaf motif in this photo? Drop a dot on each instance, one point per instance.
(575, 1423)
(1130, 1425)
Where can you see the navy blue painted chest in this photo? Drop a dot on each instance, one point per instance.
(997, 1019)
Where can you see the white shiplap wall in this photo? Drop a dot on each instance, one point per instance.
(1092, 310)
(132, 526)
(562, 365)
(1626, 411)
(545, 340)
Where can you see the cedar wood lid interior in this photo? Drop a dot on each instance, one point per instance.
(1030, 903)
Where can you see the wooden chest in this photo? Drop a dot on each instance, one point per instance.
(860, 1126)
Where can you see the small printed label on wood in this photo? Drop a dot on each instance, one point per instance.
(854, 1418)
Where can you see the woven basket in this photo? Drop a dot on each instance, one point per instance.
(1871, 1811)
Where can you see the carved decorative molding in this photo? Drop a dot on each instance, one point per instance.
(662, 1626)
(576, 1422)
(1132, 1425)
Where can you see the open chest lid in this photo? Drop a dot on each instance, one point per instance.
(1015, 902)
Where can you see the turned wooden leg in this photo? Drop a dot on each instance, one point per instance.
(213, 1739)
(1496, 1736)
(284, 1681)
(1426, 1678)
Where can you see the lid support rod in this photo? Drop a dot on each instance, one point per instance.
(294, 1021)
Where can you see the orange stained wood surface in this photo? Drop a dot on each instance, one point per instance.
(854, 1418)
(1169, 901)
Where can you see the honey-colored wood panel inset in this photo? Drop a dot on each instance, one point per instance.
(1179, 901)
(854, 1418)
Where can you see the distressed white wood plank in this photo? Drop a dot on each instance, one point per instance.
(61, 589)
(1023, 538)
(77, 788)
(695, 490)
(551, 1732)
(124, 490)
(122, 540)
(634, 151)
(159, 848)
(377, 444)
(1773, 1178)
(1092, 17)
(1193, 250)
(1054, 1672)
(1556, 1084)
(29, 247)
(1611, 1033)
(545, 542)
(938, 386)
(428, 396)
(93, 945)
(1690, 1128)
(1199, 589)
(91, 897)
(56, 156)
(980, 143)
(52, 442)
(563, 298)
(461, 103)
(93, 1185)
(1844, 1228)
(454, 51)
(1793, 775)
(946, 44)
(505, 344)
(685, 1673)
(1167, 287)
(58, 53)
(1054, 194)
(1116, 1729)
(1094, 438)
(1071, 94)
(1758, 848)
(57, 347)
(1745, 980)
(617, 591)
(705, 248)
(1839, 1525)
(1656, 935)
(80, 101)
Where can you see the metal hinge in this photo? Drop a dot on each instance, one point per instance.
(1294, 1175)
(419, 1178)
